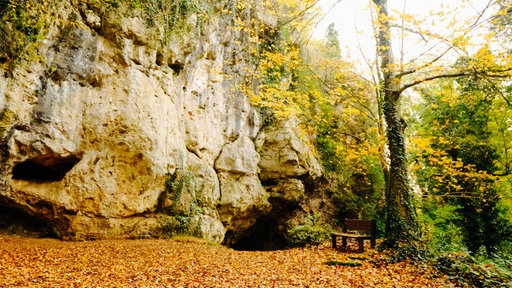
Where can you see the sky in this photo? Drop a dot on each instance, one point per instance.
(353, 22)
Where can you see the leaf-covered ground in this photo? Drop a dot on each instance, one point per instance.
(29, 262)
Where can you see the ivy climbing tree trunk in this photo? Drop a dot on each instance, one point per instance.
(401, 221)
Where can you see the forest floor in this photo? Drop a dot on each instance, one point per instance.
(32, 262)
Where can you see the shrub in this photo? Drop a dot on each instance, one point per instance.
(441, 230)
(465, 269)
(307, 235)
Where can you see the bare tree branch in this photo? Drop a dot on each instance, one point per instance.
(477, 21)
(301, 13)
(497, 89)
(428, 64)
(426, 79)
(502, 73)
(402, 27)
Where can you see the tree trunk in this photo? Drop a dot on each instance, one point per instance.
(401, 222)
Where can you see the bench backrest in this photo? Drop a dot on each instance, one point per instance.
(368, 227)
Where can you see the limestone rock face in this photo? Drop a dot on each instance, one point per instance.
(285, 154)
(243, 197)
(288, 191)
(108, 132)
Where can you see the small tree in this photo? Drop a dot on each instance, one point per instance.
(332, 42)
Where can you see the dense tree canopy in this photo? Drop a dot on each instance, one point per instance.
(359, 123)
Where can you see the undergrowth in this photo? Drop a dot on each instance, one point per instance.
(476, 271)
(172, 15)
(307, 235)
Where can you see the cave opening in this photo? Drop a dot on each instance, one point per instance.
(262, 236)
(47, 168)
(176, 67)
(16, 222)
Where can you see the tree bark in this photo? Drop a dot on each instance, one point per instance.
(401, 218)
(401, 221)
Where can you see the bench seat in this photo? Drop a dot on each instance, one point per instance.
(356, 229)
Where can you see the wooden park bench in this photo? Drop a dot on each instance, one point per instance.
(357, 229)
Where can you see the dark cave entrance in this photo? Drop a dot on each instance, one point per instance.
(46, 168)
(263, 236)
(16, 222)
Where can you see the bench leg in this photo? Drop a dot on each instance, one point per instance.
(344, 241)
(372, 243)
(333, 241)
(361, 245)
